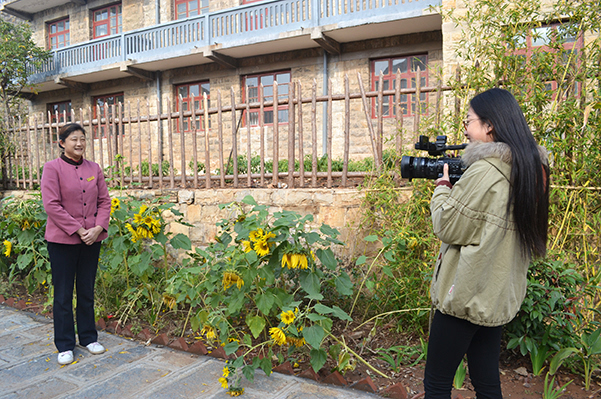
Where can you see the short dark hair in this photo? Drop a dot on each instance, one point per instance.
(66, 131)
(529, 192)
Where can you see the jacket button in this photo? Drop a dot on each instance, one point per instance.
(84, 218)
(84, 191)
(81, 178)
(84, 204)
(95, 214)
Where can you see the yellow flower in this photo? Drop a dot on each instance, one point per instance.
(256, 235)
(169, 300)
(226, 372)
(286, 261)
(277, 335)
(247, 246)
(8, 247)
(235, 391)
(25, 225)
(209, 331)
(223, 382)
(115, 204)
(302, 261)
(288, 317)
(134, 234)
(261, 247)
(230, 278)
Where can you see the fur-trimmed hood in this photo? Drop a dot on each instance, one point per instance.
(478, 150)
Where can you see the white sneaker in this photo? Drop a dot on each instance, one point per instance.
(65, 357)
(95, 348)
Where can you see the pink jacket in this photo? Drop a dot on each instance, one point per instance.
(74, 196)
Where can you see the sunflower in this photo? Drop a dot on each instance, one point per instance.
(256, 235)
(8, 246)
(134, 233)
(226, 372)
(261, 247)
(299, 260)
(287, 261)
(235, 391)
(223, 382)
(230, 278)
(209, 331)
(277, 335)
(115, 205)
(25, 225)
(288, 317)
(247, 245)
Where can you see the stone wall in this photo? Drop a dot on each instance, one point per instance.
(338, 208)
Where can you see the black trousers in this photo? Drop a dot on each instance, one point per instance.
(450, 339)
(73, 265)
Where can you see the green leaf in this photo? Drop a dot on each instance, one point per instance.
(266, 365)
(341, 314)
(322, 309)
(344, 285)
(311, 285)
(559, 357)
(265, 302)
(329, 231)
(246, 339)
(318, 359)
(249, 200)
(361, 260)
(326, 256)
(371, 238)
(181, 241)
(256, 325)
(251, 257)
(249, 372)
(314, 335)
(315, 317)
(231, 347)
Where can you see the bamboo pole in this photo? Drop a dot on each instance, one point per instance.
(417, 104)
(131, 146)
(369, 124)
(139, 145)
(194, 143)
(30, 158)
(159, 142)
(182, 139)
(248, 146)
(329, 133)
(399, 122)
(301, 143)
(205, 106)
(380, 116)
(21, 160)
(37, 152)
(120, 134)
(109, 139)
(92, 142)
(291, 134)
(262, 133)
(276, 138)
(170, 133)
(220, 140)
(234, 138)
(150, 183)
(50, 135)
(314, 134)
(347, 130)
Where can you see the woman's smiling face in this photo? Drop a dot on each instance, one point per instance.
(476, 129)
(75, 145)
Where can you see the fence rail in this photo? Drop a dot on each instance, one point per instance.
(128, 142)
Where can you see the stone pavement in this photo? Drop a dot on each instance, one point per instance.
(129, 369)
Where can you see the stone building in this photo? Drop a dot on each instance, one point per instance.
(147, 53)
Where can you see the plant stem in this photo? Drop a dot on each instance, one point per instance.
(358, 357)
(363, 282)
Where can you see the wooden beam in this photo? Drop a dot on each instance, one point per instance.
(83, 87)
(327, 43)
(140, 73)
(221, 59)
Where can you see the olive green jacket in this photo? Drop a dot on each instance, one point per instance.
(480, 273)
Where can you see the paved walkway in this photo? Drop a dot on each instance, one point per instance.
(28, 369)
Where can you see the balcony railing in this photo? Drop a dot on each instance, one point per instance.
(253, 23)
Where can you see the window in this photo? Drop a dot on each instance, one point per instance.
(192, 94)
(559, 40)
(58, 34)
(107, 21)
(190, 8)
(408, 68)
(63, 109)
(100, 103)
(267, 79)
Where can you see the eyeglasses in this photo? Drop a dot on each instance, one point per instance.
(466, 122)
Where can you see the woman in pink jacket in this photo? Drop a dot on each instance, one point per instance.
(78, 205)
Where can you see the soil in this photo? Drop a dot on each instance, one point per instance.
(517, 380)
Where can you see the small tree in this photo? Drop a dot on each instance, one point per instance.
(19, 55)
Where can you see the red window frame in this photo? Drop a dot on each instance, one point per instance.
(408, 67)
(59, 31)
(192, 95)
(99, 103)
(202, 7)
(111, 23)
(535, 43)
(253, 82)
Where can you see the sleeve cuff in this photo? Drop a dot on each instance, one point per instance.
(444, 183)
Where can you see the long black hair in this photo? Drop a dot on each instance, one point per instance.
(529, 192)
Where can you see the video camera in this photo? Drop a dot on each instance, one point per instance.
(432, 168)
